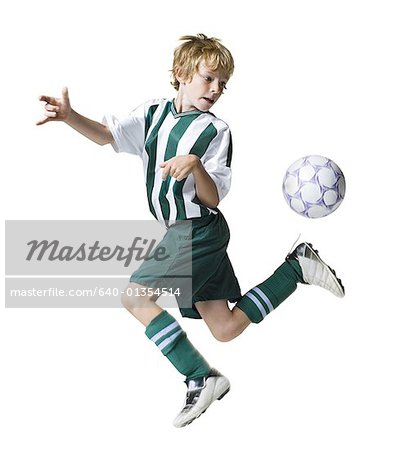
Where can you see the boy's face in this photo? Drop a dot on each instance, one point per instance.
(203, 90)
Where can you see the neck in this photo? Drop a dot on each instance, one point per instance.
(180, 103)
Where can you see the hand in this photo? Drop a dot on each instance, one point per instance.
(180, 167)
(55, 108)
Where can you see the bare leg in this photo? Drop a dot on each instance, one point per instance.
(224, 324)
(142, 307)
(165, 332)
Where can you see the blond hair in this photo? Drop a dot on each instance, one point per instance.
(187, 57)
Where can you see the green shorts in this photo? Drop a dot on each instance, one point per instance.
(196, 250)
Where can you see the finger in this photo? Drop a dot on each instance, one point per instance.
(47, 99)
(169, 161)
(50, 114)
(165, 172)
(182, 175)
(42, 121)
(65, 97)
(49, 107)
(178, 173)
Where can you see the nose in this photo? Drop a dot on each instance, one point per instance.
(215, 87)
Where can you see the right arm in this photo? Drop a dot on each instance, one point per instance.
(59, 109)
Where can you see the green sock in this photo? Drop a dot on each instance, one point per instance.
(172, 341)
(262, 299)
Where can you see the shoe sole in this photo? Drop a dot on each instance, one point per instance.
(332, 272)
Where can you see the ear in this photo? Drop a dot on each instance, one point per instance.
(179, 76)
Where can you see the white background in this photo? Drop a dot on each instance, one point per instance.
(312, 77)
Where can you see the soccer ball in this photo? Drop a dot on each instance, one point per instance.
(314, 186)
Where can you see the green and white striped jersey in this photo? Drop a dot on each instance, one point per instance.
(156, 132)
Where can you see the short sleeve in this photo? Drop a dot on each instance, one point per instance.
(128, 132)
(217, 161)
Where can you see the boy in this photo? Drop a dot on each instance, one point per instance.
(186, 153)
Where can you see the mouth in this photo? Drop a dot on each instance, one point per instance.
(208, 100)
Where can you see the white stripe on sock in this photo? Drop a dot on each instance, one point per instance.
(166, 330)
(257, 303)
(264, 297)
(169, 340)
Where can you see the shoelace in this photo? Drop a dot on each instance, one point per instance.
(295, 243)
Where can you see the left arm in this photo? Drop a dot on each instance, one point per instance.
(182, 166)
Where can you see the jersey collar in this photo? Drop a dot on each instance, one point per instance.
(186, 113)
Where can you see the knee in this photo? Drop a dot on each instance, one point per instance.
(224, 332)
(129, 302)
(132, 299)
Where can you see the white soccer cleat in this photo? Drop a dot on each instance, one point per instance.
(315, 271)
(201, 393)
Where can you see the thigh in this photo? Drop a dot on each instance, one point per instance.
(214, 312)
